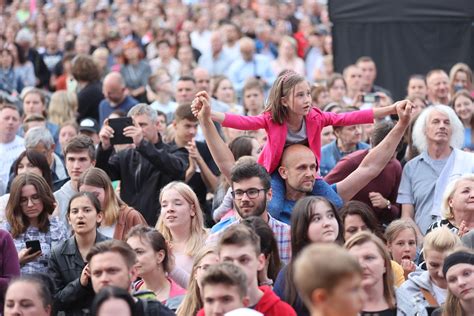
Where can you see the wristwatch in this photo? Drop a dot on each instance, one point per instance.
(389, 205)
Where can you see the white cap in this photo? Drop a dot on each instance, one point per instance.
(243, 312)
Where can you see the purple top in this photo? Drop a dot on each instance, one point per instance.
(9, 265)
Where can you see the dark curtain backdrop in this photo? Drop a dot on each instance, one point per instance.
(404, 37)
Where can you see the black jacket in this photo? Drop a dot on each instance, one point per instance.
(89, 99)
(142, 172)
(151, 308)
(65, 267)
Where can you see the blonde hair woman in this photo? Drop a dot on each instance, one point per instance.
(428, 289)
(377, 274)
(192, 302)
(401, 242)
(62, 107)
(287, 57)
(181, 223)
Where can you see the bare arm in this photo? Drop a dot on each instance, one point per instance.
(378, 157)
(218, 148)
(384, 111)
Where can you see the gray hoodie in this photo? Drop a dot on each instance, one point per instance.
(62, 197)
(410, 300)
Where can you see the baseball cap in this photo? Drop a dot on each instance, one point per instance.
(89, 124)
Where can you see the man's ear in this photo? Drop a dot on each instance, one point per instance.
(133, 273)
(174, 123)
(269, 194)
(93, 163)
(261, 261)
(283, 172)
(246, 301)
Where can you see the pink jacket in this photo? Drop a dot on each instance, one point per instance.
(276, 133)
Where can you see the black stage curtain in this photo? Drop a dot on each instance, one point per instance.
(403, 37)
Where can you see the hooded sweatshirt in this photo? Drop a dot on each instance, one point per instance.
(269, 305)
(410, 299)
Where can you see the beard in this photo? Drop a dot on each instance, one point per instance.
(257, 211)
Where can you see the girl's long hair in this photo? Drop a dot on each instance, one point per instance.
(198, 233)
(283, 87)
(192, 302)
(18, 221)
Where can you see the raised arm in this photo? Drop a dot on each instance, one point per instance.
(378, 157)
(219, 150)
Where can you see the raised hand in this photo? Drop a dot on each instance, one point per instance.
(105, 134)
(85, 276)
(404, 108)
(135, 132)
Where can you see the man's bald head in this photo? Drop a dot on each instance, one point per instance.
(298, 169)
(114, 88)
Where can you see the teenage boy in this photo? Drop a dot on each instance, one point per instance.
(79, 155)
(328, 280)
(224, 289)
(241, 246)
(112, 263)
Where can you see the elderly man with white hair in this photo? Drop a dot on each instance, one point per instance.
(438, 134)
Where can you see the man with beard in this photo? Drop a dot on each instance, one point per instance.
(250, 192)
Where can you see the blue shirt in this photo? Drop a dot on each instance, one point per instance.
(330, 155)
(105, 108)
(259, 66)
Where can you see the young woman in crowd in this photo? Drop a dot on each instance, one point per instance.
(135, 70)
(427, 289)
(253, 99)
(34, 102)
(62, 107)
(9, 81)
(112, 300)
(337, 88)
(28, 213)
(154, 263)
(269, 248)
(68, 266)
(287, 58)
(457, 208)
(417, 87)
(118, 217)
(314, 220)
(28, 161)
(401, 242)
(181, 223)
(463, 105)
(29, 295)
(458, 270)
(377, 275)
(24, 68)
(460, 77)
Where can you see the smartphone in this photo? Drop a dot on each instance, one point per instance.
(34, 245)
(118, 125)
(370, 98)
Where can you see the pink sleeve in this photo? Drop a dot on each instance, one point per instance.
(348, 118)
(242, 122)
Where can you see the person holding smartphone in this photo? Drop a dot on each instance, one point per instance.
(34, 232)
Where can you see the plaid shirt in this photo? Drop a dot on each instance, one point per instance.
(281, 231)
(56, 233)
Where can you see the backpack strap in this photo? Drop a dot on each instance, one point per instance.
(429, 297)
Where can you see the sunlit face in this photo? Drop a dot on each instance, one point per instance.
(403, 246)
(23, 298)
(253, 100)
(438, 128)
(372, 263)
(219, 299)
(246, 206)
(464, 108)
(83, 216)
(463, 197)
(147, 259)
(176, 211)
(26, 166)
(417, 87)
(347, 297)
(337, 91)
(245, 258)
(77, 163)
(353, 224)
(114, 307)
(349, 135)
(327, 135)
(298, 100)
(300, 173)
(31, 202)
(9, 122)
(207, 261)
(434, 263)
(32, 104)
(110, 269)
(149, 128)
(66, 134)
(460, 278)
(323, 225)
(438, 86)
(225, 92)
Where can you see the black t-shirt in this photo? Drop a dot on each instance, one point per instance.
(386, 312)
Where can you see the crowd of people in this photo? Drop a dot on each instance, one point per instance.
(204, 158)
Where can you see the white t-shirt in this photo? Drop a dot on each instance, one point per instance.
(8, 154)
(439, 294)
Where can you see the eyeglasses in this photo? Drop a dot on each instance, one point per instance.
(252, 193)
(35, 199)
